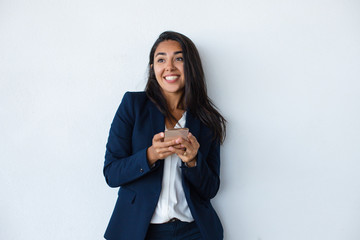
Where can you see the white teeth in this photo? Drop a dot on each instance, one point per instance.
(171, 78)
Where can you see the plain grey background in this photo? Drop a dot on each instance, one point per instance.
(284, 73)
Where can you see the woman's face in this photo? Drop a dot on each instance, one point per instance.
(169, 67)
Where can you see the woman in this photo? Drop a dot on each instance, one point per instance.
(166, 185)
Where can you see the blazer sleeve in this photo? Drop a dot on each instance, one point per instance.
(121, 164)
(204, 177)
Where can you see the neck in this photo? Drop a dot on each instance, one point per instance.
(173, 100)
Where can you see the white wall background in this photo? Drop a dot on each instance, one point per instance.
(284, 73)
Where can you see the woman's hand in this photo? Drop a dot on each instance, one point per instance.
(188, 151)
(160, 149)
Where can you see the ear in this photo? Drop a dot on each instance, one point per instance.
(151, 65)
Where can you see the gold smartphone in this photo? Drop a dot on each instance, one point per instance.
(174, 133)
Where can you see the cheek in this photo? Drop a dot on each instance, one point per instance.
(157, 73)
(180, 66)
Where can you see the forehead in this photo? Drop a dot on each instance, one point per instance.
(168, 46)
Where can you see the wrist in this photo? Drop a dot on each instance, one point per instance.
(191, 163)
(150, 156)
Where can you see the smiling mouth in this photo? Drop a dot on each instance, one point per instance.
(171, 78)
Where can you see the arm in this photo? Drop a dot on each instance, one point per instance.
(204, 177)
(121, 164)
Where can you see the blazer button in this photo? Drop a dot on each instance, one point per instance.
(141, 170)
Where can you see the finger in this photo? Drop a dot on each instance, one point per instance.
(162, 150)
(186, 144)
(171, 142)
(193, 140)
(179, 146)
(167, 143)
(158, 137)
(162, 153)
(165, 155)
(179, 152)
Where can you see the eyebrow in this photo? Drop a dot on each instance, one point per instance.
(162, 53)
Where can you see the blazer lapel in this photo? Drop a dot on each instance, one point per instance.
(193, 124)
(158, 125)
(157, 119)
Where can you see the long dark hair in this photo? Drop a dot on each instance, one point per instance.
(194, 98)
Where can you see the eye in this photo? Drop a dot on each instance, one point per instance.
(180, 59)
(160, 60)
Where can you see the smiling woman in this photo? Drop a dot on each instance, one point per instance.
(166, 185)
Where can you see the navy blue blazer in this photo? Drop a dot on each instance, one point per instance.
(135, 123)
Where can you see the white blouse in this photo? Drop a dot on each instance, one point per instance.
(172, 202)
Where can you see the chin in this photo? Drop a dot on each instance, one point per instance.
(173, 90)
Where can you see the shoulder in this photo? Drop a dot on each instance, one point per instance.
(135, 95)
(140, 94)
(135, 98)
(132, 104)
(137, 101)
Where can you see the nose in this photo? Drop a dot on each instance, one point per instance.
(170, 66)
